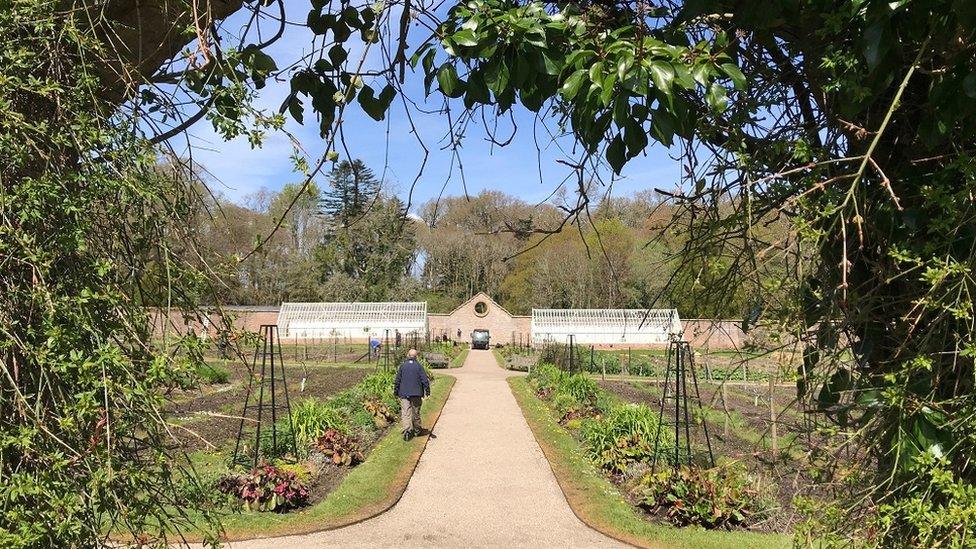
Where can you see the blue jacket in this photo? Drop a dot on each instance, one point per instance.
(411, 380)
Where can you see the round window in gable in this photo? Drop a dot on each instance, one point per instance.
(481, 308)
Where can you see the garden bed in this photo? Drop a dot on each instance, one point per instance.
(786, 474)
(207, 418)
(336, 495)
(599, 503)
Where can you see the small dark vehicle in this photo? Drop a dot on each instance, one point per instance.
(480, 339)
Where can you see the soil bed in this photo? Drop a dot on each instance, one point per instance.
(212, 413)
(782, 476)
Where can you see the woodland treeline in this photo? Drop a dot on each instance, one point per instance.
(350, 239)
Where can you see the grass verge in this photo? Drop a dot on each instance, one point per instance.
(599, 503)
(459, 360)
(368, 490)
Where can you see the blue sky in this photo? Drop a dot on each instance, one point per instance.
(238, 170)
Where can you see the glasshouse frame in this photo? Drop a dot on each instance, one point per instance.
(355, 321)
(606, 326)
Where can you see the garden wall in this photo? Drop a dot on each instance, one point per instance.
(702, 333)
(243, 318)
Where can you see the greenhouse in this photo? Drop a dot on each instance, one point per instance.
(605, 326)
(352, 320)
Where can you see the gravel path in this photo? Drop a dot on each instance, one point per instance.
(483, 482)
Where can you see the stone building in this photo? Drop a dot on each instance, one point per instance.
(481, 312)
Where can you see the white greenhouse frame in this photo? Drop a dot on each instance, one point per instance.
(352, 320)
(606, 326)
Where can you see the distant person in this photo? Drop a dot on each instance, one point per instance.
(399, 339)
(459, 334)
(411, 385)
(374, 347)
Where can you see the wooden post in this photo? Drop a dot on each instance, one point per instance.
(603, 366)
(772, 418)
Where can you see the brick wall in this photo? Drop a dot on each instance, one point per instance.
(243, 318)
(467, 318)
(714, 334)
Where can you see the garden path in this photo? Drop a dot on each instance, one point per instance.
(482, 482)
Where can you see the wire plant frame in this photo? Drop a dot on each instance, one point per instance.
(271, 380)
(681, 362)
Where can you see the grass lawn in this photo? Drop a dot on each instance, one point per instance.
(369, 489)
(600, 504)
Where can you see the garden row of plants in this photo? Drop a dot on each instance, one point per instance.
(336, 433)
(636, 364)
(622, 439)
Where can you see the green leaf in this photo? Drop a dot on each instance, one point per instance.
(521, 71)
(304, 81)
(608, 87)
(338, 55)
(551, 66)
(417, 55)
(497, 76)
(465, 37)
(322, 66)
(429, 62)
(447, 79)
(717, 97)
(636, 139)
(296, 110)
(662, 73)
(477, 90)
(682, 75)
(616, 154)
(733, 72)
(702, 73)
(621, 110)
(341, 31)
(596, 74)
(623, 66)
(350, 16)
(572, 85)
(663, 125)
(376, 107)
(317, 23)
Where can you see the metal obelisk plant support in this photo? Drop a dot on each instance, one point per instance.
(270, 386)
(680, 362)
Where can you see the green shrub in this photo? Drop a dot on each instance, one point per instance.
(711, 498)
(934, 506)
(210, 374)
(545, 378)
(375, 395)
(278, 446)
(580, 387)
(311, 417)
(611, 362)
(623, 437)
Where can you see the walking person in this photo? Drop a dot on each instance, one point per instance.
(411, 385)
